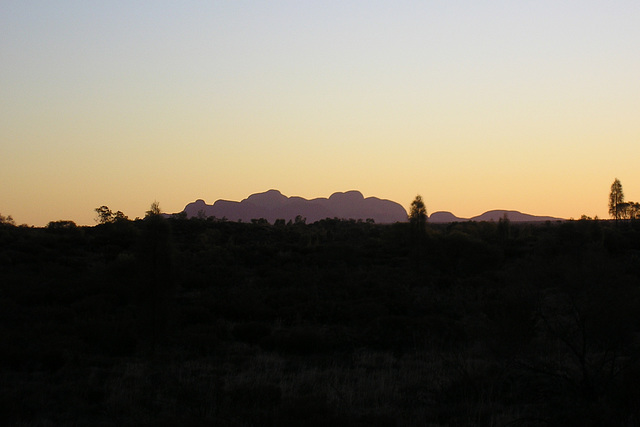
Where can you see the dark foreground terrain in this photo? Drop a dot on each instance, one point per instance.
(340, 323)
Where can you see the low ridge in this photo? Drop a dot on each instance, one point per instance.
(493, 215)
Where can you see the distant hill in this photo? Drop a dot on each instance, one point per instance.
(494, 215)
(272, 205)
(514, 216)
(444, 217)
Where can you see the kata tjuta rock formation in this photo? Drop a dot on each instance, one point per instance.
(495, 215)
(272, 205)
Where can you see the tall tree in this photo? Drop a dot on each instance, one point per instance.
(616, 200)
(418, 213)
(154, 210)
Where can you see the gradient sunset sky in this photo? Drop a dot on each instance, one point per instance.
(475, 105)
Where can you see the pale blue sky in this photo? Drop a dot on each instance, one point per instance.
(528, 105)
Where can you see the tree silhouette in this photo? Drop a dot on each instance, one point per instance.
(7, 220)
(633, 210)
(418, 214)
(106, 216)
(154, 210)
(629, 210)
(616, 200)
(418, 221)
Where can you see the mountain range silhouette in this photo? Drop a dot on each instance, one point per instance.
(272, 205)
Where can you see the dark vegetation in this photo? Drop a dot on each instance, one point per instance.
(344, 323)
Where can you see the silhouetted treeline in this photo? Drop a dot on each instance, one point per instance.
(201, 322)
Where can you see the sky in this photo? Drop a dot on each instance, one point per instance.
(475, 105)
